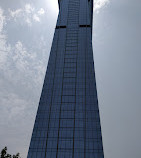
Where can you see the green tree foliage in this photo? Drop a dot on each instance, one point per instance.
(4, 154)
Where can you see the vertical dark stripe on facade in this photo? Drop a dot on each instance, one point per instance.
(51, 95)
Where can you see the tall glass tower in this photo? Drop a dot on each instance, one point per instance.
(67, 124)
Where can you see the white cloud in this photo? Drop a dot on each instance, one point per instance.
(4, 48)
(21, 71)
(36, 18)
(27, 14)
(12, 105)
(20, 60)
(20, 51)
(15, 13)
(29, 9)
(4, 51)
(98, 4)
(28, 21)
(2, 20)
(41, 11)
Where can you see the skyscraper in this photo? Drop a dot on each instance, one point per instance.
(67, 124)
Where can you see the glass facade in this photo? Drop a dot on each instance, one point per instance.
(67, 123)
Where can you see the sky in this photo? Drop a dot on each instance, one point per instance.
(26, 33)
